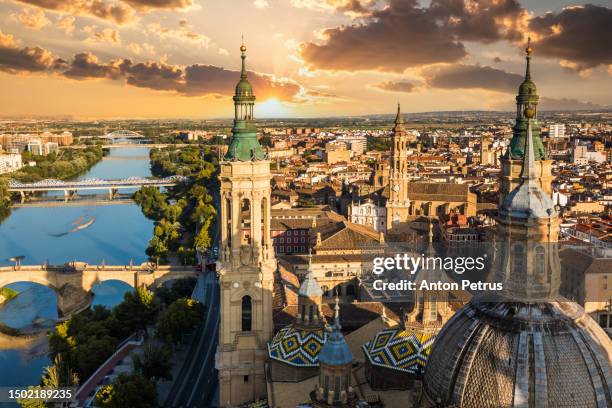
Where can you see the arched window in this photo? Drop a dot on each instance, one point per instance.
(247, 313)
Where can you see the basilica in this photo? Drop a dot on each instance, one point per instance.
(285, 340)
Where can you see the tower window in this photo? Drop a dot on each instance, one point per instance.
(247, 313)
(246, 379)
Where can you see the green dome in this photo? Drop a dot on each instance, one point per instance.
(244, 88)
(528, 87)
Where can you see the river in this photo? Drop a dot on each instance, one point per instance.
(118, 235)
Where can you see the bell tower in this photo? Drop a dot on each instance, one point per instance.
(246, 260)
(398, 204)
(511, 163)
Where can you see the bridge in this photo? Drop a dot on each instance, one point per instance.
(73, 282)
(122, 134)
(70, 188)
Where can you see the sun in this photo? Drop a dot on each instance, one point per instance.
(271, 108)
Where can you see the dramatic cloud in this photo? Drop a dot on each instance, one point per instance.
(14, 59)
(471, 76)
(393, 86)
(191, 80)
(565, 104)
(33, 19)
(580, 36)
(403, 34)
(393, 39)
(482, 20)
(119, 13)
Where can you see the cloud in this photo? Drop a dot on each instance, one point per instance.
(183, 33)
(354, 8)
(144, 48)
(34, 19)
(191, 80)
(14, 59)
(579, 36)
(565, 104)
(260, 4)
(395, 86)
(66, 24)
(403, 34)
(159, 4)
(471, 76)
(119, 13)
(86, 65)
(483, 20)
(393, 39)
(108, 35)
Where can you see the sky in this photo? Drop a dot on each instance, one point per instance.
(94, 59)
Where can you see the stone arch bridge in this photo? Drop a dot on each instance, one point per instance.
(73, 282)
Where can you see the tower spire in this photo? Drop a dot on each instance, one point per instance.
(528, 52)
(398, 118)
(528, 170)
(243, 73)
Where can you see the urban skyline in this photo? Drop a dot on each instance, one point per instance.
(310, 57)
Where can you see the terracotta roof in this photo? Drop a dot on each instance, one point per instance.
(438, 191)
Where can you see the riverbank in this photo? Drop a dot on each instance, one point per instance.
(6, 295)
(12, 339)
(66, 164)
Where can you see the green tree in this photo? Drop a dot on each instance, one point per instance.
(180, 317)
(128, 390)
(155, 362)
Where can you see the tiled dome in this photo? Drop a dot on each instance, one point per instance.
(513, 354)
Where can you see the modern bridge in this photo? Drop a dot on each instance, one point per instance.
(122, 134)
(74, 281)
(70, 188)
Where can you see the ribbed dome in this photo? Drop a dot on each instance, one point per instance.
(244, 88)
(528, 87)
(528, 201)
(513, 354)
(335, 352)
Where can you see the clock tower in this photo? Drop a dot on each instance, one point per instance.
(246, 261)
(398, 205)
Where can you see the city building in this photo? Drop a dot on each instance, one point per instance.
(556, 130)
(10, 163)
(398, 204)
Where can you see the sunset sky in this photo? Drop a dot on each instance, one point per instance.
(179, 58)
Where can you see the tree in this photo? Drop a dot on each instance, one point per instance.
(128, 390)
(155, 363)
(180, 317)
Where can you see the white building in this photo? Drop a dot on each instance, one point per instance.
(370, 214)
(557, 130)
(357, 144)
(10, 163)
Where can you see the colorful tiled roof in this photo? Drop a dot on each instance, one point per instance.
(399, 349)
(296, 347)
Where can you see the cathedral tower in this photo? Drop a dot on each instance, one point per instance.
(398, 204)
(246, 260)
(512, 161)
(524, 346)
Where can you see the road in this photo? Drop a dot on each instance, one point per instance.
(196, 383)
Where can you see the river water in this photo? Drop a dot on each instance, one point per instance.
(118, 235)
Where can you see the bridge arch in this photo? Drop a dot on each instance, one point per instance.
(42, 278)
(123, 134)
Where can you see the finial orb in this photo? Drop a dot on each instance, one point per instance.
(529, 112)
(242, 48)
